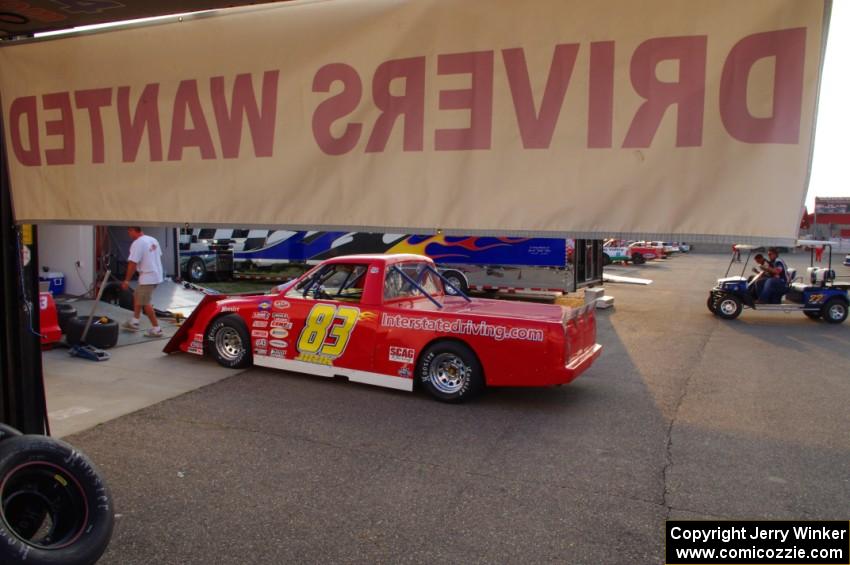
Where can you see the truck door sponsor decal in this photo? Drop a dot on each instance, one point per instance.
(326, 333)
(402, 354)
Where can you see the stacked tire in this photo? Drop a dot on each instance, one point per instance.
(103, 332)
(65, 312)
(56, 508)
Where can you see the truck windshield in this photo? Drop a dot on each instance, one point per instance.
(337, 281)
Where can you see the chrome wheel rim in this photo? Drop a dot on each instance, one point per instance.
(836, 311)
(228, 344)
(197, 270)
(728, 307)
(448, 373)
(454, 282)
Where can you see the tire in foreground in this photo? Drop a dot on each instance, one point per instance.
(56, 507)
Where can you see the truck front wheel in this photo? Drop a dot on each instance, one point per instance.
(229, 342)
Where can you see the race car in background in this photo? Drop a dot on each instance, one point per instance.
(647, 248)
(619, 251)
(387, 320)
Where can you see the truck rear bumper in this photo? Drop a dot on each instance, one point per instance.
(580, 364)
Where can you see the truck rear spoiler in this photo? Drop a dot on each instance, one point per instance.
(175, 341)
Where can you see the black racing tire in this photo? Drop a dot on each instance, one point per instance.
(729, 306)
(56, 507)
(458, 280)
(114, 294)
(638, 259)
(450, 372)
(64, 313)
(834, 311)
(196, 270)
(7, 431)
(812, 315)
(606, 259)
(101, 335)
(228, 342)
(711, 303)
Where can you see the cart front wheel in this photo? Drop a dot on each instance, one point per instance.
(729, 307)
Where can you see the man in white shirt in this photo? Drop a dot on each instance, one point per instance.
(146, 259)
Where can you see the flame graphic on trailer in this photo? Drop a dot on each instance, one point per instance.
(317, 246)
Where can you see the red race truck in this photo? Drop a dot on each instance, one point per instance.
(388, 320)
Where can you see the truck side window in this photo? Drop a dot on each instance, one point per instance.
(396, 286)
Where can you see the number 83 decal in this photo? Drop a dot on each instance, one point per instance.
(327, 330)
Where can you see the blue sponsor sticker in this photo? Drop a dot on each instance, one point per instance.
(265, 305)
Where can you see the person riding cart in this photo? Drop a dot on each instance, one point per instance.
(777, 280)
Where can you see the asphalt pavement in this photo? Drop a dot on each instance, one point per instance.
(685, 415)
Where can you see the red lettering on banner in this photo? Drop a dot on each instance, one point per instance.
(788, 48)
(536, 128)
(478, 99)
(25, 107)
(36, 13)
(187, 99)
(63, 127)
(411, 104)
(145, 117)
(688, 93)
(336, 107)
(92, 101)
(244, 102)
(600, 104)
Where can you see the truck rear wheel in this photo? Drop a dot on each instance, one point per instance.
(450, 372)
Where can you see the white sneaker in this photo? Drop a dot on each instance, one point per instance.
(130, 326)
(154, 332)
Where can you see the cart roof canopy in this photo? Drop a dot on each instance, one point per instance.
(643, 120)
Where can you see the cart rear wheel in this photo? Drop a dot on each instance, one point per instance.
(729, 307)
(834, 311)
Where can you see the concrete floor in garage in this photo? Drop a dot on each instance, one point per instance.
(685, 415)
